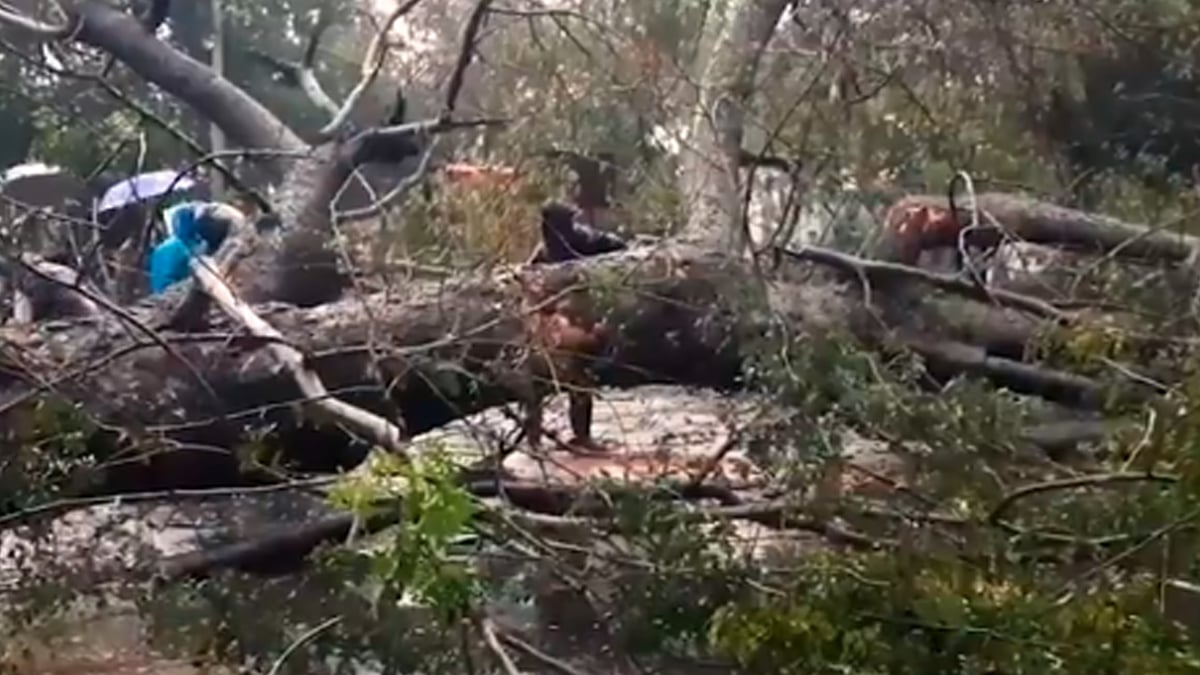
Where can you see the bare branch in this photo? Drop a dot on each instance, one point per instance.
(324, 21)
(488, 628)
(371, 67)
(315, 92)
(14, 17)
(1074, 483)
(369, 425)
(396, 143)
(538, 655)
(299, 75)
(466, 53)
(395, 193)
(880, 271)
(308, 635)
(306, 73)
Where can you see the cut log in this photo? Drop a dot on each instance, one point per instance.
(922, 222)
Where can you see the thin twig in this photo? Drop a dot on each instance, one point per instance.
(538, 655)
(1072, 483)
(401, 189)
(277, 667)
(488, 628)
(465, 55)
(372, 65)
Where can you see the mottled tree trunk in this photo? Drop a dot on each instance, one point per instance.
(710, 181)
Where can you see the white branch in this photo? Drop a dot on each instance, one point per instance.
(315, 92)
(362, 422)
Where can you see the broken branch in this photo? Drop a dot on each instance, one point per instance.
(299, 75)
(378, 430)
(881, 272)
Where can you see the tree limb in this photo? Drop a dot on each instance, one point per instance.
(39, 29)
(1020, 218)
(465, 55)
(882, 272)
(299, 75)
(372, 64)
(379, 430)
(98, 24)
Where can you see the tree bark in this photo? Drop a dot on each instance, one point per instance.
(445, 350)
(710, 180)
(243, 119)
(1034, 221)
(675, 314)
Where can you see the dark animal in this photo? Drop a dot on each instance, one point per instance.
(564, 238)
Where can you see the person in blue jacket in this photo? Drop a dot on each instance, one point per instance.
(195, 228)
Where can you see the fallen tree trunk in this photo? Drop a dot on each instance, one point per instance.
(676, 314)
(1022, 218)
(433, 357)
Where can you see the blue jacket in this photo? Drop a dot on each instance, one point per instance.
(192, 232)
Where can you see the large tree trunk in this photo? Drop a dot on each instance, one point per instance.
(710, 180)
(679, 315)
(443, 351)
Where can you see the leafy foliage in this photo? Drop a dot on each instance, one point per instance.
(417, 561)
(864, 615)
